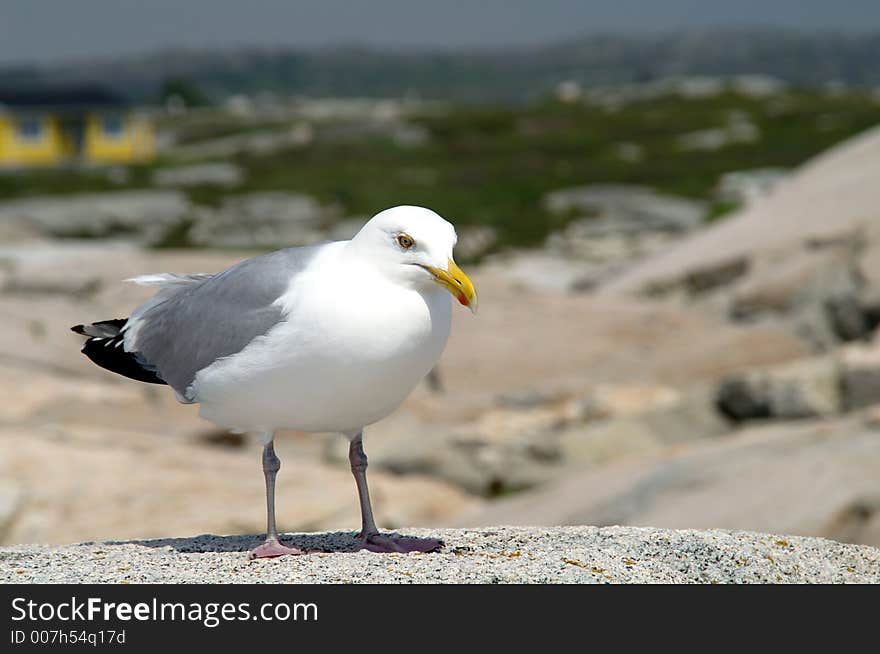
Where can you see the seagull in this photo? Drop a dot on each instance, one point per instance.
(325, 338)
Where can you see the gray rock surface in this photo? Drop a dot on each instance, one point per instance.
(10, 505)
(261, 220)
(614, 224)
(617, 208)
(532, 437)
(811, 477)
(781, 282)
(860, 375)
(142, 216)
(737, 129)
(257, 142)
(799, 389)
(690, 417)
(833, 195)
(745, 186)
(818, 292)
(486, 555)
(211, 174)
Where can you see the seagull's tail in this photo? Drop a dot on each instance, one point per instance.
(106, 343)
(105, 347)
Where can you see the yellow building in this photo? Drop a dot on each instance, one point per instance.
(49, 126)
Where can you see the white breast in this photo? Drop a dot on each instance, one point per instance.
(352, 349)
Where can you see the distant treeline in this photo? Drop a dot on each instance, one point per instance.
(507, 75)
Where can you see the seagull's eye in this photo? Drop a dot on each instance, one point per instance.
(405, 241)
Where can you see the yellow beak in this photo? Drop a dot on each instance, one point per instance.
(457, 283)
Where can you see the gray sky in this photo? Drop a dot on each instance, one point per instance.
(52, 30)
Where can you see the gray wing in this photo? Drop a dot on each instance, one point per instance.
(195, 320)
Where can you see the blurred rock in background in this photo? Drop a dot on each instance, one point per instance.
(680, 301)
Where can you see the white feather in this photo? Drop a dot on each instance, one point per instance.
(169, 279)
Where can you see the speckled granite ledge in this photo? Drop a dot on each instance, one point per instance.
(487, 555)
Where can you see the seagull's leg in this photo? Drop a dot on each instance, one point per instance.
(358, 460)
(370, 538)
(272, 545)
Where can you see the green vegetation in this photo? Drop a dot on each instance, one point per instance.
(183, 91)
(492, 165)
(719, 209)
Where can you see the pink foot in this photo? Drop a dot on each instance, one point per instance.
(272, 548)
(402, 544)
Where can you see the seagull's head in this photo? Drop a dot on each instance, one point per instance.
(413, 246)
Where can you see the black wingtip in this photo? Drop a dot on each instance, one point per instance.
(104, 347)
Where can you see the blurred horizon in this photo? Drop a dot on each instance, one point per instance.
(98, 29)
